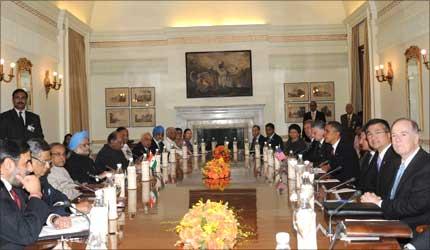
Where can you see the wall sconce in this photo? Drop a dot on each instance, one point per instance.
(425, 59)
(56, 83)
(382, 77)
(2, 74)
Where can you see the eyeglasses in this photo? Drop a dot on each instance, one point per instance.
(42, 161)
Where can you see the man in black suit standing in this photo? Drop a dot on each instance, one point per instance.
(409, 196)
(257, 138)
(314, 114)
(350, 122)
(387, 161)
(272, 138)
(22, 215)
(343, 153)
(18, 124)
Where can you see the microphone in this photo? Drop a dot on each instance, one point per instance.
(356, 194)
(341, 184)
(330, 172)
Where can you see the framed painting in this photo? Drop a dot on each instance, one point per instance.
(328, 110)
(294, 112)
(218, 74)
(119, 117)
(142, 117)
(24, 79)
(117, 97)
(296, 92)
(322, 91)
(143, 97)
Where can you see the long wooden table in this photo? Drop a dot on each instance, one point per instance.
(145, 225)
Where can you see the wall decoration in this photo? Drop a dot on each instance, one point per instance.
(322, 91)
(327, 109)
(218, 74)
(117, 97)
(143, 97)
(142, 117)
(24, 79)
(118, 117)
(296, 92)
(294, 112)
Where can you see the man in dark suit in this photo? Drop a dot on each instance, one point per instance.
(22, 215)
(157, 139)
(409, 196)
(319, 151)
(18, 124)
(387, 161)
(314, 114)
(350, 122)
(257, 138)
(143, 147)
(272, 138)
(343, 154)
(420, 241)
(111, 155)
(368, 168)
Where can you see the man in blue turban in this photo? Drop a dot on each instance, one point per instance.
(157, 139)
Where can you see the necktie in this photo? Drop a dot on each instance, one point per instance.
(397, 180)
(22, 118)
(378, 163)
(349, 121)
(16, 198)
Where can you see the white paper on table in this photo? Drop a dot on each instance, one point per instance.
(79, 224)
(319, 171)
(329, 181)
(344, 190)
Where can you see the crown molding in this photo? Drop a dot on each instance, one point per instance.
(43, 10)
(357, 16)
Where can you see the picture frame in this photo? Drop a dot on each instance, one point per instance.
(117, 117)
(294, 112)
(296, 92)
(218, 74)
(142, 117)
(328, 108)
(117, 97)
(24, 79)
(322, 91)
(142, 97)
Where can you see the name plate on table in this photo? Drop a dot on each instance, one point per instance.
(356, 229)
(353, 209)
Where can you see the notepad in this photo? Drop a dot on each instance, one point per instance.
(79, 224)
(318, 171)
(343, 190)
(328, 181)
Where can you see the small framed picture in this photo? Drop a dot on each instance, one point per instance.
(143, 97)
(119, 117)
(328, 110)
(296, 92)
(142, 117)
(294, 112)
(117, 97)
(322, 91)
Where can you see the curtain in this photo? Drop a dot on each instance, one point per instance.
(356, 98)
(78, 83)
(367, 112)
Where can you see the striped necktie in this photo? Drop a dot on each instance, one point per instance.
(397, 180)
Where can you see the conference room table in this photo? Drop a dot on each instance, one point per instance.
(263, 206)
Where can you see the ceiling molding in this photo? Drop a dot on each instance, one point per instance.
(357, 16)
(32, 8)
(387, 8)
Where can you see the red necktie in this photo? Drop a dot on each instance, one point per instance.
(16, 198)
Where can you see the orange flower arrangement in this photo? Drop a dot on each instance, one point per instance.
(217, 184)
(221, 152)
(216, 169)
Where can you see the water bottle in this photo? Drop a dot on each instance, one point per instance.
(282, 241)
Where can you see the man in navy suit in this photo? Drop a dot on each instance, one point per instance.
(22, 215)
(257, 138)
(409, 196)
(314, 114)
(272, 138)
(18, 124)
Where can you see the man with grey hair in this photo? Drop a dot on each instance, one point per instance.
(170, 141)
(319, 151)
(409, 197)
(143, 147)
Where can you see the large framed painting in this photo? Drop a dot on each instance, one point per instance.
(294, 112)
(119, 117)
(296, 92)
(322, 91)
(143, 117)
(328, 110)
(143, 97)
(218, 74)
(117, 97)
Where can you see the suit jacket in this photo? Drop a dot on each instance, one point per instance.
(276, 140)
(60, 179)
(11, 126)
(349, 128)
(411, 203)
(319, 116)
(261, 140)
(387, 173)
(368, 172)
(317, 153)
(108, 157)
(51, 196)
(421, 241)
(154, 146)
(81, 168)
(139, 150)
(346, 157)
(20, 227)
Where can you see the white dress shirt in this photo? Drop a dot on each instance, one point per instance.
(22, 114)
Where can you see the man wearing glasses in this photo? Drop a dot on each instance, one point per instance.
(379, 138)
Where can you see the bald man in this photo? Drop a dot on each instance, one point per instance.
(350, 122)
(143, 147)
(170, 141)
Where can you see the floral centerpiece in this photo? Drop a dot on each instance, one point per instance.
(210, 225)
(217, 184)
(216, 169)
(221, 152)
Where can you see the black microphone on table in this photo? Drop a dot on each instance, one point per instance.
(355, 195)
(330, 172)
(68, 204)
(341, 184)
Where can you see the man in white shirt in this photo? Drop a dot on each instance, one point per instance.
(169, 142)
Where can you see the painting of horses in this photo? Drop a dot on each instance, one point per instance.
(218, 74)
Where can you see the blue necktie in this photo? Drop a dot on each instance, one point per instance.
(397, 180)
